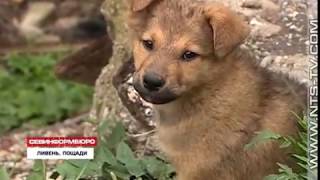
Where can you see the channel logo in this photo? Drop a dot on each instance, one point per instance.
(60, 147)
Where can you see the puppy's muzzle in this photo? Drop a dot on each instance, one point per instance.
(152, 88)
(153, 82)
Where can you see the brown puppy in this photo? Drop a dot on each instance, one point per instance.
(210, 98)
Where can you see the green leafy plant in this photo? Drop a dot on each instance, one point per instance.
(4, 174)
(38, 171)
(115, 160)
(299, 146)
(29, 92)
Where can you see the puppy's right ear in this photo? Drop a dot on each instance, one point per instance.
(139, 13)
(138, 5)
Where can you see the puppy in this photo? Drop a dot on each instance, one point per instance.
(210, 98)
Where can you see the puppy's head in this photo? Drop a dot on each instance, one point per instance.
(179, 45)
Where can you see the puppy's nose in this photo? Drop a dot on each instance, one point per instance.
(153, 82)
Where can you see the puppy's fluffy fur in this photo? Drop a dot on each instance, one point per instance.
(221, 98)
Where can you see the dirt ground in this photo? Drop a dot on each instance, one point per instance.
(49, 22)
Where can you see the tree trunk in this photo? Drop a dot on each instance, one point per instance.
(111, 99)
(107, 104)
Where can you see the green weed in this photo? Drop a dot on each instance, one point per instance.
(30, 93)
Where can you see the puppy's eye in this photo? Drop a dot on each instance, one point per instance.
(189, 55)
(148, 44)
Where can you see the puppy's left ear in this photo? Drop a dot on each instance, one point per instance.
(138, 5)
(229, 30)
